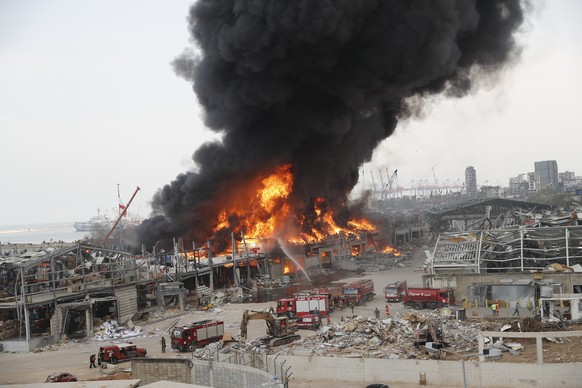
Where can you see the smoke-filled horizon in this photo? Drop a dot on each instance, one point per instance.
(317, 84)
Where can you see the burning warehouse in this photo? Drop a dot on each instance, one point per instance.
(302, 93)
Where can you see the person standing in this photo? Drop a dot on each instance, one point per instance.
(387, 310)
(92, 361)
(377, 313)
(494, 309)
(163, 341)
(352, 306)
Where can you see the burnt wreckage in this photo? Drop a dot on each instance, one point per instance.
(497, 235)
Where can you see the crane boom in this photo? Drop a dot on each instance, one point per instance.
(121, 215)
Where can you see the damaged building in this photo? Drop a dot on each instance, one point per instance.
(46, 296)
(511, 254)
(71, 291)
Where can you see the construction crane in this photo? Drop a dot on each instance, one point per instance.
(373, 182)
(392, 178)
(124, 212)
(381, 179)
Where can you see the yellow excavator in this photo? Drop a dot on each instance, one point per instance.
(280, 330)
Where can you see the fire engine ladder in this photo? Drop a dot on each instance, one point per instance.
(172, 325)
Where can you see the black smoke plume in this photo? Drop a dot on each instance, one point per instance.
(317, 84)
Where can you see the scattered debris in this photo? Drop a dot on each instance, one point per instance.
(110, 329)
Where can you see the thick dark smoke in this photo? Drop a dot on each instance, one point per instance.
(318, 84)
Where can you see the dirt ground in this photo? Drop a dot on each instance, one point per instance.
(73, 356)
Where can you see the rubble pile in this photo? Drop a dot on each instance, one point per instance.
(392, 337)
(8, 329)
(370, 262)
(208, 352)
(111, 329)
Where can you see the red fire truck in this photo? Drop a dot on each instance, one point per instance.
(307, 309)
(334, 294)
(189, 337)
(420, 298)
(115, 353)
(359, 292)
(393, 292)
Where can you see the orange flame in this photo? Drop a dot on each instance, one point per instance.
(266, 213)
(392, 250)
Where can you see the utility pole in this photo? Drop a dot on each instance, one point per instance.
(210, 266)
(236, 283)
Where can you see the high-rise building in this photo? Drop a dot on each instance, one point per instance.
(548, 171)
(471, 181)
(568, 181)
(518, 186)
(533, 182)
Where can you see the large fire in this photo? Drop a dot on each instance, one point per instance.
(267, 213)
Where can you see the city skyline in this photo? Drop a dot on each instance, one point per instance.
(381, 174)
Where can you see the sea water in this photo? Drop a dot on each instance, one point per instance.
(39, 233)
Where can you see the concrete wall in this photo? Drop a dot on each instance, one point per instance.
(35, 342)
(150, 370)
(462, 282)
(200, 372)
(437, 373)
(312, 262)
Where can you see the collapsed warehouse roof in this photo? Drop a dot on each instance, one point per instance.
(485, 213)
(534, 241)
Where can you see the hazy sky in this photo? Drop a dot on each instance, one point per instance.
(88, 100)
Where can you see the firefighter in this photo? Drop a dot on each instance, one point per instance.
(387, 310)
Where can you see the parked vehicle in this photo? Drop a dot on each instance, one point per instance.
(302, 305)
(201, 333)
(334, 293)
(420, 298)
(306, 309)
(115, 353)
(60, 377)
(310, 322)
(359, 292)
(393, 292)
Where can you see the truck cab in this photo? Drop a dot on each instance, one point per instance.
(201, 333)
(311, 322)
(116, 353)
(393, 292)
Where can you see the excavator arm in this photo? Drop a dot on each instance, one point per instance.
(280, 330)
(250, 315)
